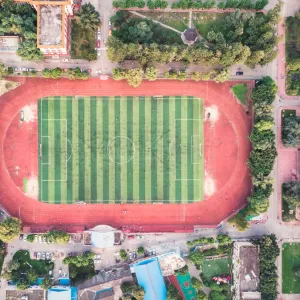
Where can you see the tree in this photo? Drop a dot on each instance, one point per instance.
(291, 131)
(296, 272)
(172, 293)
(46, 283)
(2, 70)
(224, 239)
(28, 51)
(239, 222)
(22, 284)
(201, 296)
(58, 236)
(123, 254)
(265, 91)
(10, 229)
(196, 283)
(183, 271)
(88, 18)
(138, 293)
(196, 257)
(151, 73)
(268, 253)
(32, 275)
(140, 250)
(30, 238)
(134, 77)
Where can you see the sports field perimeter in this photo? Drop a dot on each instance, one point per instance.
(121, 149)
(216, 267)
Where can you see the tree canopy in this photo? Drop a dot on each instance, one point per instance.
(20, 19)
(88, 17)
(10, 229)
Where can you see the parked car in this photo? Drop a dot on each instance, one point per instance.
(44, 239)
(109, 24)
(109, 32)
(98, 52)
(130, 255)
(40, 239)
(25, 69)
(139, 236)
(35, 238)
(131, 237)
(99, 35)
(44, 255)
(97, 261)
(25, 238)
(21, 237)
(38, 256)
(134, 255)
(239, 73)
(153, 252)
(98, 256)
(34, 255)
(31, 69)
(59, 271)
(48, 256)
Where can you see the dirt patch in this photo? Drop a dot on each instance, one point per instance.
(212, 114)
(209, 186)
(6, 86)
(30, 113)
(32, 190)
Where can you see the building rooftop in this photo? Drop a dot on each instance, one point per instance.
(150, 278)
(50, 24)
(32, 294)
(9, 43)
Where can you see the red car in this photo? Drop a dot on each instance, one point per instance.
(98, 44)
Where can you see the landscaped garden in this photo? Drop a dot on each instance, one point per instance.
(291, 268)
(83, 33)
(81, 267)
(24, 271)
(293, 54)
(130, 28)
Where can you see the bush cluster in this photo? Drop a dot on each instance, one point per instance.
(80, 260)
(291, 131)
(71, 74)
(242, 4)
(268, 253)
(128, 3)
(153, 4)
(291, 195)
(179, 75)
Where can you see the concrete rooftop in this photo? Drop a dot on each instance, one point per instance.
(50, 26)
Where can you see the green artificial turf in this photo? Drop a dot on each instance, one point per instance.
(290, 261)
(240, 91)
(121, 149)
(216, 267)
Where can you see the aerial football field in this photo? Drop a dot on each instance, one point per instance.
(121, 149)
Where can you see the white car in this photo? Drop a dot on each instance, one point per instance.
(40, 239)
(109, 24)
(35, 238)
(98, 52)
(38, 256)
(48, 257)
(44, 239)
(25, 69)
(97, 261)
(44, 256)
(99, 35)
(25, 238)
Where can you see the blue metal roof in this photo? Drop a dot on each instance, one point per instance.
(150, 278)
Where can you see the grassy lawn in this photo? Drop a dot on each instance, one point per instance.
(286, 212)
(288, 113)
(216, 267)
(40, 266)
(240, 91)
(292, 47)
(178, 21)
(83, 273)
(290, 261)
(292, 32)
(205, 22)
(83, 42)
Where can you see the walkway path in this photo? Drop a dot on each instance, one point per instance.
(155, 21)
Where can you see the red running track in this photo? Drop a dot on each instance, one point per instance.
(227, 149)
